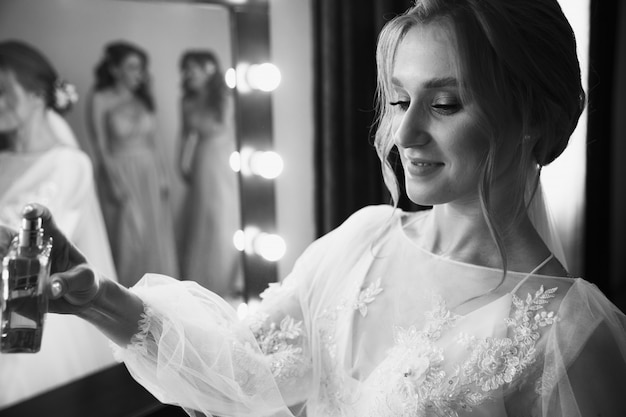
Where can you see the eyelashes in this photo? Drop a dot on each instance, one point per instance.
(404, 105)
(446, 108)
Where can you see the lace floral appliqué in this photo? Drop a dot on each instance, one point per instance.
(280, 342)
(423, 386)
(367, 296)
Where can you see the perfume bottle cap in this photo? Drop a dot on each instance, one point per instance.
(31, 224)
(31, 231)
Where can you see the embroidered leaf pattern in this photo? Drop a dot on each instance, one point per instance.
(367, 296)
(279, 342)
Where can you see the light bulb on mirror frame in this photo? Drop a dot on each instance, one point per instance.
(239, 240)
(253, 241)
(247, 77)
(266, 164)
(270, 247)
(264, 77)
(230, 78)
(235, 161)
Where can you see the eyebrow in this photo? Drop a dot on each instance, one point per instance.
(433, 82)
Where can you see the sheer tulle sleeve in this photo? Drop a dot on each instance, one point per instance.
(194, 351)
(584, 372)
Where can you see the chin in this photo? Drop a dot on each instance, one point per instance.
(424, 197)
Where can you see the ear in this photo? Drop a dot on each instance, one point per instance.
(38, 99)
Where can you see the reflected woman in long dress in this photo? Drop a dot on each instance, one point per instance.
(134, 185)
(210, 215)
(40, 162)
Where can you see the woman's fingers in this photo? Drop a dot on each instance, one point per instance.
(64, 254)
(70, 290)
(6, 237)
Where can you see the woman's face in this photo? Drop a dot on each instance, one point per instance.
(130, 73)
(196, 75)
(437, 135)
(16, 104)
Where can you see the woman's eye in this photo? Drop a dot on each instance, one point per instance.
(401, 104)
(446, 107)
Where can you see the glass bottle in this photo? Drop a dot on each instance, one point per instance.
(25, 271)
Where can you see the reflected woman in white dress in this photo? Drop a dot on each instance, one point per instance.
(460, 310)
(40, 162)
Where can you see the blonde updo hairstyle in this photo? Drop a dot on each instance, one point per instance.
(517, 63)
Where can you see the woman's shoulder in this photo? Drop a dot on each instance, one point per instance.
(372, 214)
(77, 157)
(352, 235)
(101, 96)
(106, 100)
(574, 300)
(68, 166)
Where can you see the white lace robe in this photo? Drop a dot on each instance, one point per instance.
(368, 324)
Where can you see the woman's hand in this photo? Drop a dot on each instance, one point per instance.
(76, 288)
(73, 284)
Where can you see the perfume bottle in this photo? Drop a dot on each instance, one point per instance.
(25, 271)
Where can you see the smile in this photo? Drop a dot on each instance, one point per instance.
(422, 168)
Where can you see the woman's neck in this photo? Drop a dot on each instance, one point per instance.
(121, 91)
(463, 234)
(36, 135)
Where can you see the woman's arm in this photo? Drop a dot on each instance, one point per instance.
(115, 311)
(185, 344)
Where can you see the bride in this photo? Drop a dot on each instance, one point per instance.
(460, 310)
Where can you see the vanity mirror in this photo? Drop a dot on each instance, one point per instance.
(73, 35)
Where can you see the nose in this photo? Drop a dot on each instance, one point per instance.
(412, 129)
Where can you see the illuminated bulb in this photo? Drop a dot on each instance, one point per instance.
(266, 164)
(264, 77)
(230, 78)
(249, 234)
(269, 246)
(235, 161)
(241, 81)
(239, 240)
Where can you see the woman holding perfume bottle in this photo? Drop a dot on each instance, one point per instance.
(133, 180)
(460, 310)
(40, 161)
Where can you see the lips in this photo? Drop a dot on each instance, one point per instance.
(422, 167)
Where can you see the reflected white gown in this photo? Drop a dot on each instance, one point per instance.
(61, 179)
(382, 330)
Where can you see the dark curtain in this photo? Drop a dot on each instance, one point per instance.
(618, 241)
(605, 254)
(347, 170)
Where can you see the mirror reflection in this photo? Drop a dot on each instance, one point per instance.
(155, 124)
(101, 60)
